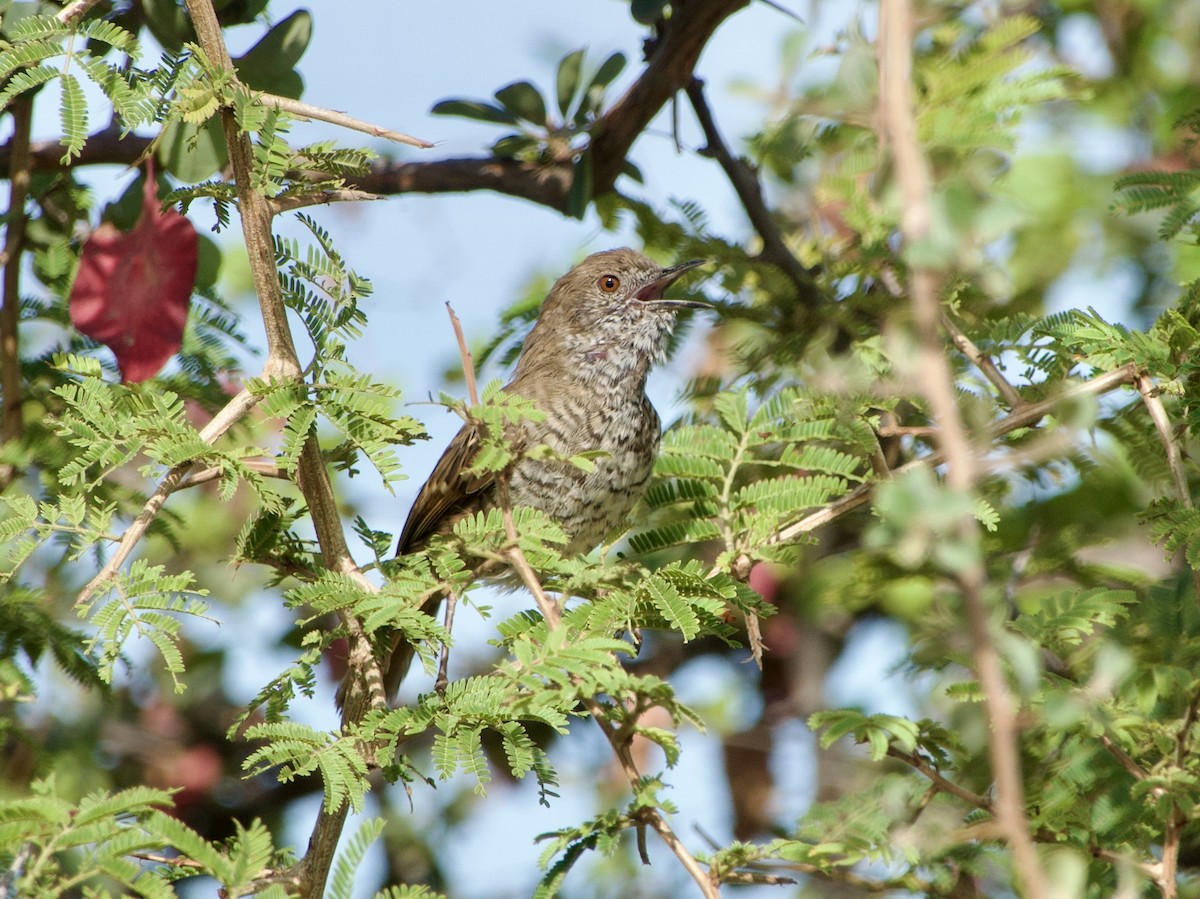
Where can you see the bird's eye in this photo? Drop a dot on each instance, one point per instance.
(608, 283)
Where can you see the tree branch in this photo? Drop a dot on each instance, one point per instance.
(311, 475)
(289, 202)
(982, 361)
(745, 184)
(12, 424)
(670, 64)
(896, 34)
(915, 761)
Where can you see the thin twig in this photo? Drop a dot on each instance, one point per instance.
(983, 362)
(468, 360)
(1124, 759)
(1162, 423)
(1169, 865)
(300, 109)
(896, 34)
(291, 202)
(264, 467)
(233, 412)
(745, 184)
(914, 760)
(12, 423)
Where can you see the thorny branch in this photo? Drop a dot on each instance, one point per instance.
(896, 34)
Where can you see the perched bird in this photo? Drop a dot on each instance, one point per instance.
(584, 365)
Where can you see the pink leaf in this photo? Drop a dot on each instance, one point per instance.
(133, 290)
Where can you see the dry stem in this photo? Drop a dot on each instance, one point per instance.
(745, 183)
(896, 32)
(467, 360)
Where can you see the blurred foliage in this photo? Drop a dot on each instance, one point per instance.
(793, 498)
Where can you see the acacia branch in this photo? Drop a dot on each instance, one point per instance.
(915, 761)
(311, 475)
(983, 362)
(290, 202)
(896, 33)
(73, 12)
(12, 423)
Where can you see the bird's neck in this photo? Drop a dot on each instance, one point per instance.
(617, 362)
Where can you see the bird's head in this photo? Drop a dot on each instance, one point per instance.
(612, 302)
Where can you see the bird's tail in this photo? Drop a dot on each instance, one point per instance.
(395, 664)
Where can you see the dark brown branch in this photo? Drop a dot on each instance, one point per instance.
(669, 69)
(745, 183)
(12, 423)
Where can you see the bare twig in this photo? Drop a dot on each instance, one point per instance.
(1162, 423)
(983, 362)
(745, 184)
(467, 360)
(12, 423)
(233, 412)
(1123, 758)
(291, 202)
(896, 32)
(300, 109)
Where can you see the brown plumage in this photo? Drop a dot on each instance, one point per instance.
(584, 365)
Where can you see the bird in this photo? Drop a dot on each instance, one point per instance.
(584, 365)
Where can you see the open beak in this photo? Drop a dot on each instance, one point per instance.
(653, 292)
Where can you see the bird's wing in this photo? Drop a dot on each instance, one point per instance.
(448, 490)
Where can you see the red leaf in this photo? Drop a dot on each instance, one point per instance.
(133, 290)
